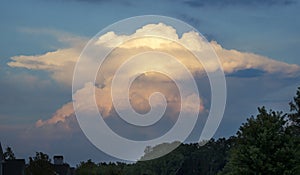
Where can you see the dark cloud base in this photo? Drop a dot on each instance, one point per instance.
(247, 73)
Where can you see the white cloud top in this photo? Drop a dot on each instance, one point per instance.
(60, 64)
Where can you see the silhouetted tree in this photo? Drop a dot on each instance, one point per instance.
(207, 159)
(294, 128)
(294, 116)
(9, 154)
(40, 164)
(263, 146)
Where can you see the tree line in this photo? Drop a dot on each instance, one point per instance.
(268, 143)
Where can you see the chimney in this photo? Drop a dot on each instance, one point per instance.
(58, 160)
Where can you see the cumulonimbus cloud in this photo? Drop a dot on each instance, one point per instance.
(60, 64)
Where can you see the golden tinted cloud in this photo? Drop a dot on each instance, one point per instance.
(60, 64)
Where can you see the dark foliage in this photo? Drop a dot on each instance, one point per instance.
(9, 154)
(40, 164)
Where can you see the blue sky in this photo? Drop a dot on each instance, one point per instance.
(268, 28)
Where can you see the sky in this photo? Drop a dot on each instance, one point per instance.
(256, 41)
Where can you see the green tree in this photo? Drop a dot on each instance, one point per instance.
(40, 164)
(262, 146)
(206, 159)
(9, 154)
(294, 128)
(87, 168)
(111, 168)
(165, 165)
(294, 116)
